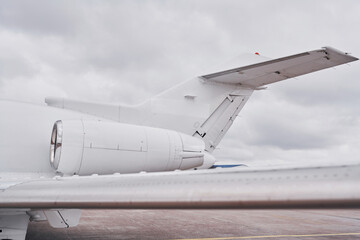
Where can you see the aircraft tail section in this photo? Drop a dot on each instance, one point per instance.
(206, 107)
(199, 108)
(214, 128)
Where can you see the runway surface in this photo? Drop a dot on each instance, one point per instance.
(207, 224)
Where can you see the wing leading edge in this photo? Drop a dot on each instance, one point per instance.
(222, 188)
(264, 73)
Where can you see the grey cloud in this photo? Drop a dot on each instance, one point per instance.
(39, 17)
(332, 88)
(288, 125)
(14, 66)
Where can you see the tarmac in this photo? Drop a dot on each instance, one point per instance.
(305, 224)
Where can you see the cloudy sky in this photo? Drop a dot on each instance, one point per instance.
(127, 51)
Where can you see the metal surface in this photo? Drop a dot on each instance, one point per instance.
(336, 186)
(55, 144)
(264, 73)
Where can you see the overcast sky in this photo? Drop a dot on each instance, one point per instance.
(127, 51)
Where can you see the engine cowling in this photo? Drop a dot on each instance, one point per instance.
(86, 147)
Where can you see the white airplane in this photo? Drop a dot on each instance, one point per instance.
(101, 155)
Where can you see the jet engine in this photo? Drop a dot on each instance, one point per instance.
(85, 147)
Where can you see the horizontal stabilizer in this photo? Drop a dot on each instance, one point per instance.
(267, 72)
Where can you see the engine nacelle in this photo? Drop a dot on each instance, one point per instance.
(86, 147)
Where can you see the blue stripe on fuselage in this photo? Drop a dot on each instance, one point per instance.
(227, 165)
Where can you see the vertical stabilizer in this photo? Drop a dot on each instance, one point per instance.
(199, 108)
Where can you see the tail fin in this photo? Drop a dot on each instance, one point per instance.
(206, 107)
(199, 108)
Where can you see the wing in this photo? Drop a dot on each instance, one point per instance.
(219, 188)
(264, 73)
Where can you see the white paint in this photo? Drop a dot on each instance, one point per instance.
(103, 147)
